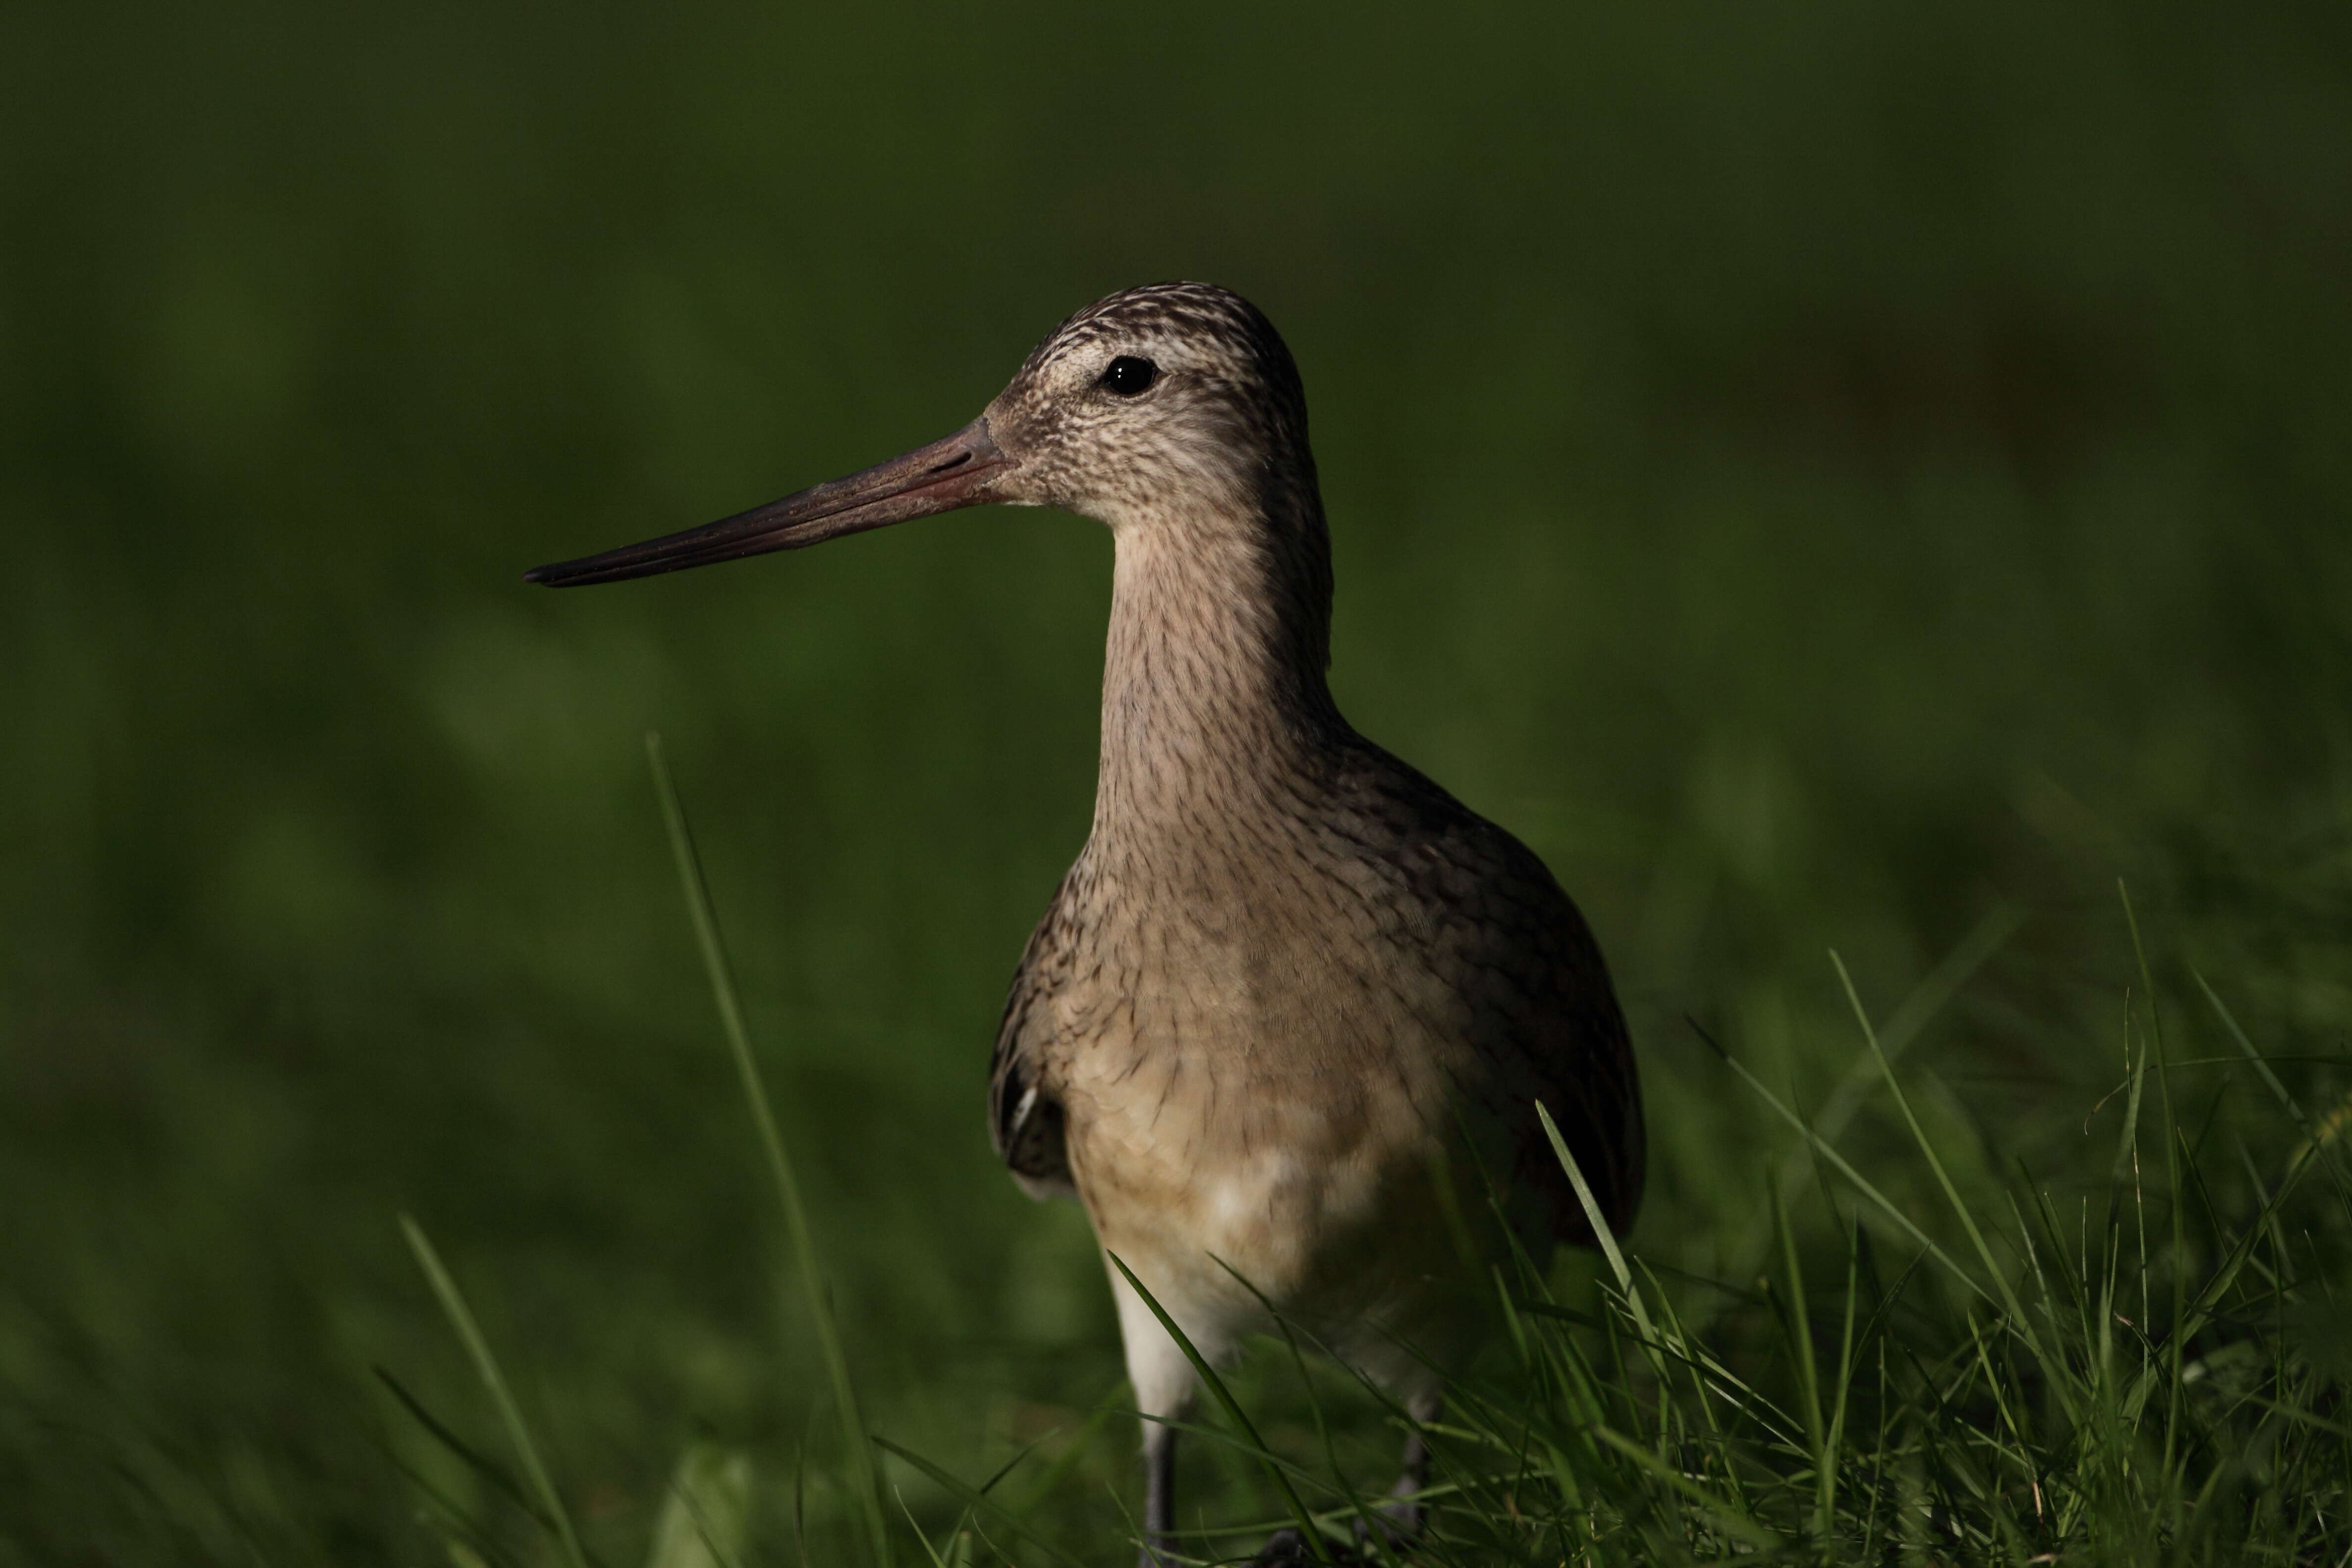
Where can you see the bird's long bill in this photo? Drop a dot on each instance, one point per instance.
(941, 477)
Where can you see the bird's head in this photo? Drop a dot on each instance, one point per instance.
(1171, 406)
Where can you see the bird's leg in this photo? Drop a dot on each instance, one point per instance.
(1158, 1490)
(1400, 1518)
(1162, 1378)
(1403, 1511)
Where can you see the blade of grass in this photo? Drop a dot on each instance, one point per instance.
(489, 1470)
(1844, 1167)
(1798, 1322)
(454, 1515)
(1710, 1507)
(1825, 1480)
(1911, 1017)
(866, 1477)
(1935, 1164)
(2293, 1107)
(914, 1524)
(1368, 1533)
(2173, 1182)
(1072, 1452)
(959, 1535)
(1224, 1395)
(486, 1367)
(976, 1502)
(1606, 1238)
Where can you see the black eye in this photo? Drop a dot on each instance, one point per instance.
(1129, 374)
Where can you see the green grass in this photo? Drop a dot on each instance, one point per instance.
(1827, 478)
(2062, 1388)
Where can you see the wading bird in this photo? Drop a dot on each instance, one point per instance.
(1291, 991)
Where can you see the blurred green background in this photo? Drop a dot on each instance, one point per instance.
(1821, 475)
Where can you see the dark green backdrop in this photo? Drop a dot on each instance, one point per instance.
(1821, 474)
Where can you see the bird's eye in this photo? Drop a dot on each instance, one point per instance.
(1129, 374)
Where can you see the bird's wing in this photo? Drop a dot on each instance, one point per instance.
(1024, 1119)
(1542, 1016)
(1552, 1033)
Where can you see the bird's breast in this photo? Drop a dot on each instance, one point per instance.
(1261, 1085)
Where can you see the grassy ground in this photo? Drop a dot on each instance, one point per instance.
(1845, 480)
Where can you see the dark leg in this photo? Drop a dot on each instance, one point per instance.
(1159, 1490)
(1398, 1519)
(1404, 1512)
(1286, 1547)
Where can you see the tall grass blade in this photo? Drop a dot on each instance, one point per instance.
(486, 1367)
(1934, 1160)
(1601, 1231)
(1862, 1183)
(2311, 1131)
(474, 1460)
(706, 1519)
(2173, 1184)
(866, 1478)
(1912, 1015)
(1800, 1324)
(1825, 1481)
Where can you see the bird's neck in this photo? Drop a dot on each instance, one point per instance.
(1213, 692)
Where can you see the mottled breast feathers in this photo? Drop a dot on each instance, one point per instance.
(1456, 909)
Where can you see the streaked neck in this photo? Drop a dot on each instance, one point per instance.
(1213, 690)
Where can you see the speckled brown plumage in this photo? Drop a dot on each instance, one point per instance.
(1292, 991)
(1287, 968)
